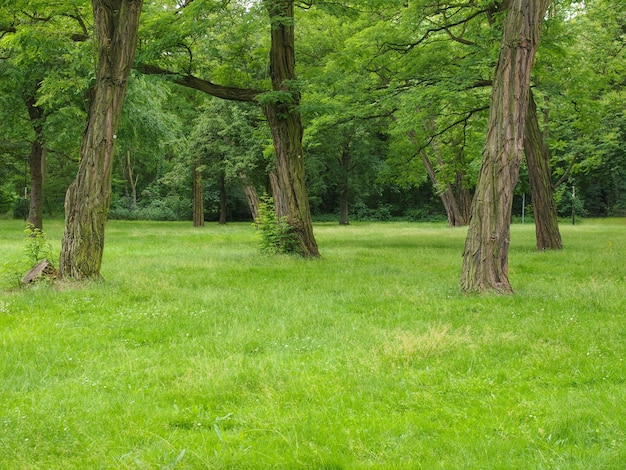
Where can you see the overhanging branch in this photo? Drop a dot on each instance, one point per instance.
(190, 81)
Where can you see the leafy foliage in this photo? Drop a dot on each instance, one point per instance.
(371, 74)
(36, 248)
(277, 236)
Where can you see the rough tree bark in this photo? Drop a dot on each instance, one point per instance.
(485, 257)
(88, 198)
(280, 202)
(36, 162)
(284, 119)
(540, 175)
(251, 196)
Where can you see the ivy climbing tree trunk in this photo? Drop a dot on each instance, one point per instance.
(485, 257)
(88, 198)
(283, 116)
(540, 175)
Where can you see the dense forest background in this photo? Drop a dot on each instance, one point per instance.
(394, 103)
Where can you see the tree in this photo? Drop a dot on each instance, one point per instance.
(485, 257)
(226, 143)
(582, 74)
(38, 42)
(540, 176)
(280, 106)
(88, 198)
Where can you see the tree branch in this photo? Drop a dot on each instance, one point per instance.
(566, 174)
(410, 46)
(190, 81)
(463, 121)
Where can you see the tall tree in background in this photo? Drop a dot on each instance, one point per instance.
(36, 163)
(38, 42)
(485, 258)
(88, 198)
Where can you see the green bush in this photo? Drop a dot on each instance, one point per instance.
(37, 247)
(169, 208)
(277, 235)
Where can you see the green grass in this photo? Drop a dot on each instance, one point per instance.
(199, 352)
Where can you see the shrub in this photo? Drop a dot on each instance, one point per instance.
(168, 208)
(277, 235)
(37, 247)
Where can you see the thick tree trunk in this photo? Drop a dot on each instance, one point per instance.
(284, 121)
(251, 196)
(540, 175)
(36, 162)
(344, 189)
(485, 258)
(280, 202)
(88, 198)
(223, 208)
(198, 200)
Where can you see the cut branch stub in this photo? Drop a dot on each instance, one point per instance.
(43, 270)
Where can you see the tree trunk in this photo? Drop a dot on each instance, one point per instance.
(280, 203)
(132, 179)
(198, 201)
(343, 190)
(36, 162)
(455, 217)
(251, 196)
(284, 120)
(88, 198)
(222, 185)
(465, 199)
(485, 257)
(540, 175)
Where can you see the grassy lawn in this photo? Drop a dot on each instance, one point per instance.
(199, 352)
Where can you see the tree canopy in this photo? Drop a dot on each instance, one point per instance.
(370, 109)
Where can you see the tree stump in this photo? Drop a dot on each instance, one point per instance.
(43, 270)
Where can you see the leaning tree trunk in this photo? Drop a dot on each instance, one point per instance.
(485, 258)
(447, 196)
(88, 198)
(36, 162)
(540, 175)
(251, 196)
(283, 118)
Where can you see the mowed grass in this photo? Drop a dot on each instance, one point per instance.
(199, 352)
